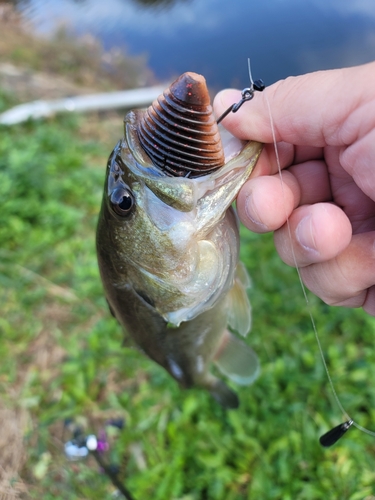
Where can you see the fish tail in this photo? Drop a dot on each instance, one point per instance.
(237, 360)
(223, 395)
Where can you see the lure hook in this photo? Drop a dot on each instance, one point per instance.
(246, 95)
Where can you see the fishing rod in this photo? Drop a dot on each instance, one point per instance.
(81, 445)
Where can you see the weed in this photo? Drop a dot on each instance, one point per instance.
(63, 357)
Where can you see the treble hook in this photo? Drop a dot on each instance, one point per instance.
(246, 95)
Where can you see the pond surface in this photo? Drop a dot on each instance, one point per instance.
(215, 37)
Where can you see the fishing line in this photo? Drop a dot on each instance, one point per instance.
(333, 435)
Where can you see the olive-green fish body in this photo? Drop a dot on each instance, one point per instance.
(168, 250)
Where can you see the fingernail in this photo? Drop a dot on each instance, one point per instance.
(304, 234)
(252, 212)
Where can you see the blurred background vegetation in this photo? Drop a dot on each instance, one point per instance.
(62, 354)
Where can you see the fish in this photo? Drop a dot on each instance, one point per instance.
(168, 240)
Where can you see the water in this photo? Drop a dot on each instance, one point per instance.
(215, 37)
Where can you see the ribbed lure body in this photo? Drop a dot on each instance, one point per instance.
(179, 132)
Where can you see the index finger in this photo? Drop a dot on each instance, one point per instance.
(307, 110)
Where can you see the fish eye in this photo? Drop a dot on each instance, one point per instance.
(122, 201)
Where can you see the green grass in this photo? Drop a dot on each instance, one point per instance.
(62, 356)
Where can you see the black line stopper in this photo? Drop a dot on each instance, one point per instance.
(331, 437)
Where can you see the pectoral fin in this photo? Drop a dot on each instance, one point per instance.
(237, 360)
(239, 308)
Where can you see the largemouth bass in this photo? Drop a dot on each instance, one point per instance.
(168, 241)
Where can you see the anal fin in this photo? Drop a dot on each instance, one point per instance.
(237, 361)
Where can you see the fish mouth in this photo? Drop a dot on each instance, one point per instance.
(179, 131)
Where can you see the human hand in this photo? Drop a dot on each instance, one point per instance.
(324, 125)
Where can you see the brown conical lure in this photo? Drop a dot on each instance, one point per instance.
(179, 132)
